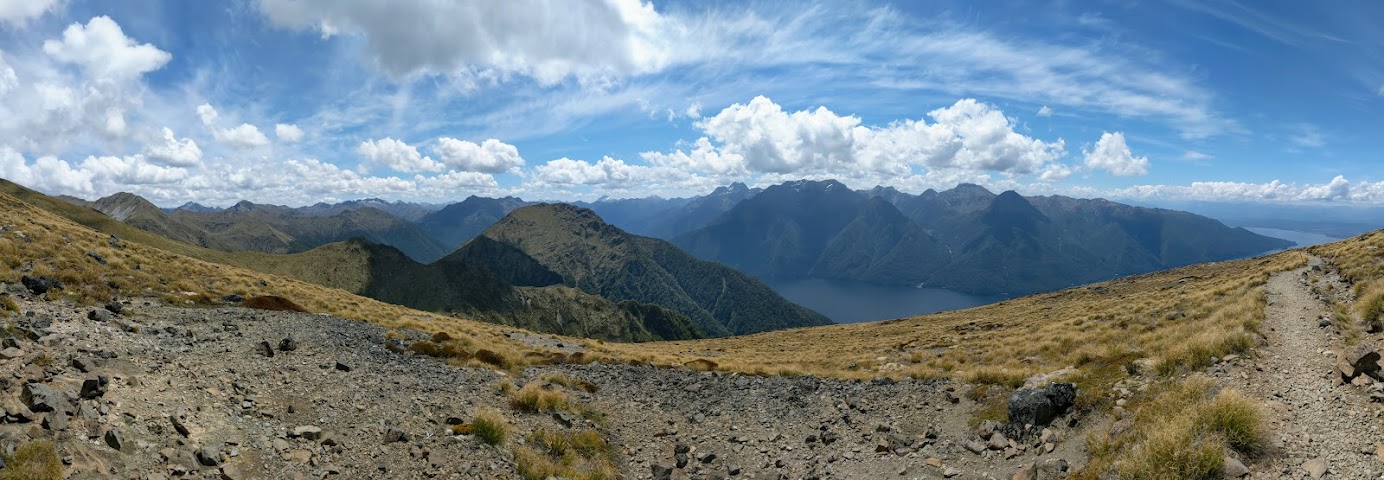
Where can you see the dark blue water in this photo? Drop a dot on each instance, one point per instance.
(853, 302)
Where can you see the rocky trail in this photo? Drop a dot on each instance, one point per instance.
(143, 390)
(1322, 427)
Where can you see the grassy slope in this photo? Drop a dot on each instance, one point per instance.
(601, 259)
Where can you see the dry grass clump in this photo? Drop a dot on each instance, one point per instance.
(1181, 430)
(539, 396)
(583, 454)
(490, 426)
(274, 303)
(34, 460)
(569, 382)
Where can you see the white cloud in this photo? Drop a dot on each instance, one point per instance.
(102, 48)
(207, 114)
(490, 156)
(47, 174)
(397, 155)
(703, 157)
(19, 12)
(760, 137)
(1055, 172)
(8, 79)
(446, 185)
(131, 170)
(1045, 111)
(288, 132)
(1195, 156)
(548, 40)
(1380, 92)
(1113, 155)
(245, 136)
(1337, 190)
(174, 152)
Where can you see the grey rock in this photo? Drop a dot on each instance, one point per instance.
(92, 387)
(342, 366)
(288, 345)
(209, 456)
(1031, 406)
(308, 432)
(395, 435)
(114, 439)
(264, 349)
(1315, 468)
(973, 446)
(661, 471)
(42, 398)
(115, 307)
(102, 315)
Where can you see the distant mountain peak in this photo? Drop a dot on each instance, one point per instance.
(971, 188)
(736, 187)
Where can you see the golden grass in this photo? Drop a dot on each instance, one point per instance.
(583, 454)
(34, 460)
(539, 396)
(1182, 429)
(490, 426)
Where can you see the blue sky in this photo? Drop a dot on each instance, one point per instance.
(300, 101)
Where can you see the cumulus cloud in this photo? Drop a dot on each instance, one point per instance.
(1113, 155)
(8, 79)
(490, 156)
(174, 152)
(1337, 190)
(46, 174)
(1045, 111)
(102, 48)
(244, 137)
(397, 155)
(547, 39)
(761, 137)
(19, 12)
(131, 170)
(288, 132)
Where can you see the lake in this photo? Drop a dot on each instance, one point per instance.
(1303, 239)
(854, 302)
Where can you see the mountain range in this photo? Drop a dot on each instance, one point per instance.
(965, 239)
(655, 268)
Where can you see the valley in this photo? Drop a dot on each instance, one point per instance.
(855, 302)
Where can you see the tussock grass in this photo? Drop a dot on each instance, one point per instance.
(273, 303)
(539, 396)
(34, 460)
(583, 454)
(1181, 430)
(490, 426)
(570, 382)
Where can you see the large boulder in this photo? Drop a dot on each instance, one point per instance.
(1357, 360)
(1038, 407)
(42, 398)
(40, 285)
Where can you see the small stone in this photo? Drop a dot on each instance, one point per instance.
(92, 388)
(209, 456)
(394, 435)
(661, 471)
(299, 456)
(99, 315)
(974, 446)
(264, 349)
(950, 472)
(178, 426)
(114, 439)
(308, 432)
(1234, 468)
(342, 366)
(288, 345)
(114, 307)
(1315, 468)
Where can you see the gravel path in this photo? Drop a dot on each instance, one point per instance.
(1314, 420)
